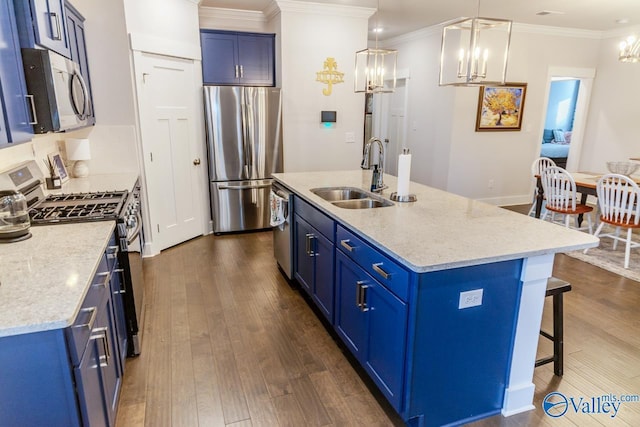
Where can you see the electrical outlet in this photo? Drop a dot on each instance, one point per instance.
(470, 299)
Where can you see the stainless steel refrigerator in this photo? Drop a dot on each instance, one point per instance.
(244, 145)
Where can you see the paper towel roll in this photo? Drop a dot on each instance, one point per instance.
(404, 173)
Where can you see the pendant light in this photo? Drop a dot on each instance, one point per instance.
(474, 51)
(375, 66)
(630, 50)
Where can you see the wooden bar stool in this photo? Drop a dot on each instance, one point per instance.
(555, 289)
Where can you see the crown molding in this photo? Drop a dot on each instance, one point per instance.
(556, 31)
(412, 36)
(325, 9)
(232, 14)
(622, 33)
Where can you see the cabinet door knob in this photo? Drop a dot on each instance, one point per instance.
(196, 162)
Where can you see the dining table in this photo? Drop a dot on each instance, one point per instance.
(586, 183)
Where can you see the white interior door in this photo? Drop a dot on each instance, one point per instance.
(172, 146)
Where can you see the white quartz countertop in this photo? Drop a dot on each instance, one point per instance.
(440, 230)
(43, 280)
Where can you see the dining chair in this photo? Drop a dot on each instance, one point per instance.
(536, 171)
(561, 197)
(619, 202)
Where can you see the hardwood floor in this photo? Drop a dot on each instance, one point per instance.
(228, 342)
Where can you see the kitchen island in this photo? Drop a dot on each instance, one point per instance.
(448, 293)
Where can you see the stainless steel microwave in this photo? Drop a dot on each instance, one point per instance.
(59, 96)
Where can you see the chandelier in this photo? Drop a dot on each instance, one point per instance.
(375, 66)
(474, 51)
(630, 50)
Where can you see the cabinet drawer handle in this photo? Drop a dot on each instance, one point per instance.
(237, 72)
(121, 290)
(377, 269)
(107, 277)
(92, 318)
(241, 72)
(112, 251)
(345, 244)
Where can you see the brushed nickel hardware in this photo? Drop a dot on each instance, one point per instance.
(361, 295)
(92, 318)
(101, 334)
(377, 269)
(58, 34)
(345, 244)
(241, 71)
(237, 70)
(107, 277)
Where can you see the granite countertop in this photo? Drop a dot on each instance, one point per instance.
(440, 230)
(44, 279)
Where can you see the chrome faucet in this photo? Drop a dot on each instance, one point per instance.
(376, 184)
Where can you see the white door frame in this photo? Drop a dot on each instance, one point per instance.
(153, 246)
(585, 76)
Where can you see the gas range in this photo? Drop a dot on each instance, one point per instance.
(78, 207)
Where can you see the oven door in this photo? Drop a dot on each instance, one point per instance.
(134, 280)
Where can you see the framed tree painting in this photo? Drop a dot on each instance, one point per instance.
(500, 108)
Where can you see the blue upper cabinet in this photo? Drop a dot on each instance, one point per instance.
(43, 23)
(233, 58)
(15, 116)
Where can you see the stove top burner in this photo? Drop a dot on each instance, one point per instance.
(78, 207)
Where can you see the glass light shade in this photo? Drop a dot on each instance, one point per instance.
(374, 67)
(475, 52)
(630, 50)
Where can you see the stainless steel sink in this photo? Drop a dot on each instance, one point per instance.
(351, 197)
(332, 194)
(362, 204)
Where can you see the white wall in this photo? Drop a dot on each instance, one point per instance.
(448, 153)
(309, 35)
(613, 128)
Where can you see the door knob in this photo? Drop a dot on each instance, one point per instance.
(196, 162)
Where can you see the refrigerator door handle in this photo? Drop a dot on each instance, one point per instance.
(243, 187)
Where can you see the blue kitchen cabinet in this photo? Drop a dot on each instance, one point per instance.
(235, 58)
(66, 377)
(436, 361)
(43, 23)
(372, 322)
(15, 117)
(314, 255)
(78, 51)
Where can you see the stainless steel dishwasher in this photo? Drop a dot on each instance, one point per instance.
(282, 236)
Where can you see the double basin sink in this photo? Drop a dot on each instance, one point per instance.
(351, 197)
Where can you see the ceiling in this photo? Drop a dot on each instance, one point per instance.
(402, 16)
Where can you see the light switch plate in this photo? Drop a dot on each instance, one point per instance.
(470, 299)
(350, 137)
